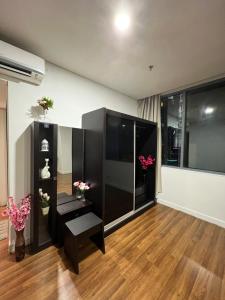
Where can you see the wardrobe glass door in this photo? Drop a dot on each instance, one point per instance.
(118, 167)
(145, 170)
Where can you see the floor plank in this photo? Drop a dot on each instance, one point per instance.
(163, 254)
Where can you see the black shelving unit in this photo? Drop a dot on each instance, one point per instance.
(113, 142)
(43, 226)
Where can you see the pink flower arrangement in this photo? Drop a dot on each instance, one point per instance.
(146, 162)
(18, 215)
(82, 186)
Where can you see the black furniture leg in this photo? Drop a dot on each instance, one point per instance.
(98, 239)
(75, 257)
(86, 226)
(71, 249)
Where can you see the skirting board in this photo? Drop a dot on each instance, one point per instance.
(194, 213)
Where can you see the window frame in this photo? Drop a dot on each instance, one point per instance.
(183, 93)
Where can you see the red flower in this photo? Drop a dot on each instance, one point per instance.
(146, 163)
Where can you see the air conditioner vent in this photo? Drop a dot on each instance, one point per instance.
(11, 67)
(19, 65)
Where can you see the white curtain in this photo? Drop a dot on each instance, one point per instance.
(150, 109)
(3, 144)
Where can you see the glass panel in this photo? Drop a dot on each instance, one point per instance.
(146, 144)
(171, 110)
(205, 129)
(119, 135)
(64, 165)
(118, 167)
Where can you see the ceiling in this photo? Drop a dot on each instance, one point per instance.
(184, 40)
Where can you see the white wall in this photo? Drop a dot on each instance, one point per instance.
(73, 96)
(3, 141)
(197, 193)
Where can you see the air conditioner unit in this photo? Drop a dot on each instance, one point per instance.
(19, 65)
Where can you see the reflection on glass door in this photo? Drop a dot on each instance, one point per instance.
(171, 113)
(64, 165)
(119, 167)
(146, 144)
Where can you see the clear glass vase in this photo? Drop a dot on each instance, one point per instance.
(44, 116)
(80, 195)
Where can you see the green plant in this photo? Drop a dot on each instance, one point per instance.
(46, 103)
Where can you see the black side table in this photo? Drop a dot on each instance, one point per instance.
(86, 226)
(68, 211)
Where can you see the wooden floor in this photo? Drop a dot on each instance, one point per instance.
(163, 254)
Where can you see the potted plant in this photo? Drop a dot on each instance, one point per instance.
(18, 215)
(45, 103)
(81, 188)
(45, 202)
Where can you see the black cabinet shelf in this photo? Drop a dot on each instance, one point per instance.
(47, 154)
(46, 179)
(43, 222)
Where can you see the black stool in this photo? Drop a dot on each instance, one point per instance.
(86, 226)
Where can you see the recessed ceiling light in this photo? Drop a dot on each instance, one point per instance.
(122, 22)
(209, 110)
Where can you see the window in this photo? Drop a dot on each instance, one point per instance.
(205, 129)
(193, 128)
(171, 112)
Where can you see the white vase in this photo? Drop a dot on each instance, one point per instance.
(45, 210)
(44, 117)
(45, 174)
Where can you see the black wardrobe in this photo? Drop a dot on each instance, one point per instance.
(105, 154)
(113, 143)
